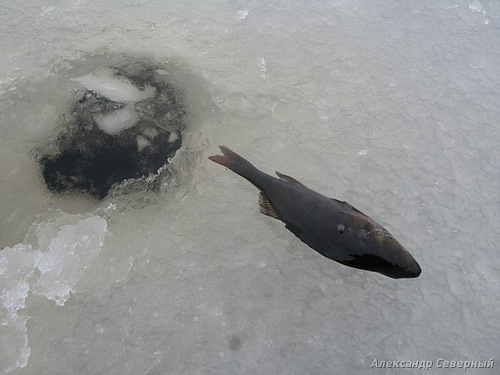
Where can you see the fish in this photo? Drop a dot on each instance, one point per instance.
(334, 228)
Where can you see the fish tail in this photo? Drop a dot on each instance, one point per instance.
(239, 165)
(233, 161)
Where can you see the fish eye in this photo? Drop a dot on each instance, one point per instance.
(341, 228)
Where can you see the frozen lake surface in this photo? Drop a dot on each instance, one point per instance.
(391, 106)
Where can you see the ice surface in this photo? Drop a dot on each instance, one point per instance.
(194, 279)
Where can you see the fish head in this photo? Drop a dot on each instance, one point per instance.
(382, 253)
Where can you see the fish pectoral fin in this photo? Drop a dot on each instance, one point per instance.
(266, 207)
(284, 177)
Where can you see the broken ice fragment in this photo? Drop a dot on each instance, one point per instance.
(116, 121)
(68, 254)
(109, 83)
(173, 137)
(16, 266)
(476, 6)
(142, 143)
(262, 67)
(243, 14)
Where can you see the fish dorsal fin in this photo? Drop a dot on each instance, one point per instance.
(287, 178)
(350, 206)
(266, 207)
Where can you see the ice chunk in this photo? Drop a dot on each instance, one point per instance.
(68, 254)
(116, 121)
(16, 267)
(150, 133)
(243, 14)
(262, 67)
(65, 251)
(173, 137)
(14, 350)
(114, 86)
(142, 143)
(476, 6)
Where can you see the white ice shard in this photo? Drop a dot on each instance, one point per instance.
(67, 255)
(109, 83)
(67, 245)
(243, 14)
(116, 121)
(142, 143)
(14, 349)
(476, 6)
(16, 268)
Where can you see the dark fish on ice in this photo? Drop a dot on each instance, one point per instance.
(333, 228)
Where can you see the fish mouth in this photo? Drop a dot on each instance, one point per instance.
(374, 263)
(414, 270)
(404, 274)
(409, 272)
(400, 273)
(390, 258)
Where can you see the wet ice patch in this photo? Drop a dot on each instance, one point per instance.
(126, 125)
